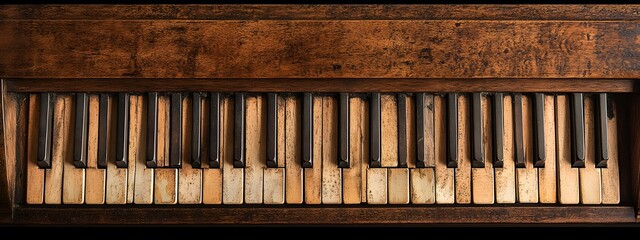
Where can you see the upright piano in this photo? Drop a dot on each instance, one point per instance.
(319, 114)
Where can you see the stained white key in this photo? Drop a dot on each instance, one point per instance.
(331, 174)
(482, 179)
(505, 176)
(568, 180)
(590, 178)
(445, 177)
(547, 174)
(35, 175)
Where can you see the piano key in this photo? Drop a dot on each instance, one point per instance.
(402, 130)
(131, 168)
(104, 131)
(498, 130)
(53, 176)
(152, 130)
(602, 136)
(255, 156)
(239, 132)
(478, 147)
(274, 178)
(445, 176)
(331, 174)
(165, 186)
(73, 178)
(423, 188)
(577, 131)
(308, 102)
(343, 143)
(116, 186)
(375, 131)
(272, 130)
(610, 174)
(44, 136)
(527, 177)
(429, 132)
(389, 130)
(122, 128)
(164, 129)
(175, 147)
(211, 174)
(452, 130)
(35, 175)
(313, 176)
(463, 170)
(95, 177)
(232, 178)
(590, 176)
(80, 132)
(547, 175)
(519, 131)
(505, 175)
(294, 174)
(398, 184)
(282, 113)
(482, 178)
(411, 132)
(568, 181)
(196, 129)
(377, 186)
(189, 178)
(364, 165)
(214, 128)
(143, 178)
(421, 130)
(352, 176)
(274, 185)
(539, 152)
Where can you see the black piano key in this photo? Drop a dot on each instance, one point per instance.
(420, 136)
(152, 130)
(498, 130)
(272, 130)
(538, 131)
(44, 135)
(402, 130)
(375, 126)
(307, 130)
(103, 131)
(478, 149)
(196, 160)
(80, 133)
(343, 159)
(577, 133)
(452, 130)
(238, 147)
(214, 128)
(123, 130)
(519, 131)
(175, 148)
(602, 136)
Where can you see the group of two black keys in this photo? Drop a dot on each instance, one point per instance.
(80, 136)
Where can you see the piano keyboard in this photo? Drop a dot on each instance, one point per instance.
(304, 148)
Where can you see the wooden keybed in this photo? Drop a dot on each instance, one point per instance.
(300, 48)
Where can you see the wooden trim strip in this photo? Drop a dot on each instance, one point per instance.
(323, 215)
(321, 85)
(318, 12)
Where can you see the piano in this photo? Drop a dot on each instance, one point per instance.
(319, 114)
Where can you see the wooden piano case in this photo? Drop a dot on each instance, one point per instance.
(320, 48)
